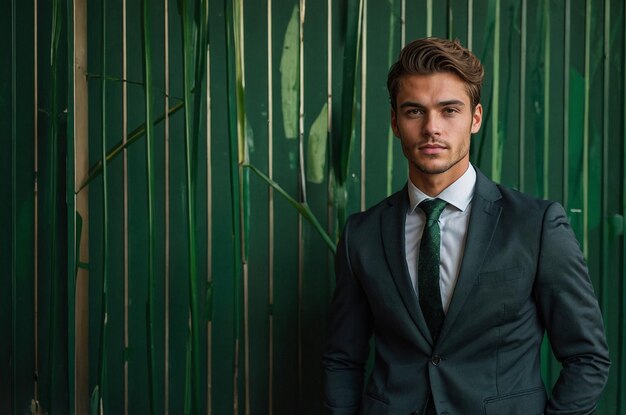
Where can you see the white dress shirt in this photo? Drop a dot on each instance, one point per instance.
(453, 224)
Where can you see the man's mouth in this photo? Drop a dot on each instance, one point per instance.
(432, 148)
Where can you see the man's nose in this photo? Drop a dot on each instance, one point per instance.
(431, 126)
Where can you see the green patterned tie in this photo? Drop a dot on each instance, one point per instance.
(428, 267)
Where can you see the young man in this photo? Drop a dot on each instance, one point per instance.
(455, 277)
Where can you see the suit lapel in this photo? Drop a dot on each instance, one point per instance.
(392, 231)
(482, 224)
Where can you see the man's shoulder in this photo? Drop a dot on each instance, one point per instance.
(392, 208)
(516, 195)
(398, 200)
(529, 201)
(527, 213)
(509, 197)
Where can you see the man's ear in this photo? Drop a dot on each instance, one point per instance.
(477, 118)
(394, 123)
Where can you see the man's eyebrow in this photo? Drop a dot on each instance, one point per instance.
(412, 104)
(451, 102)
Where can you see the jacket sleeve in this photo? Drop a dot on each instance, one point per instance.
(349, 331)
(572, 318)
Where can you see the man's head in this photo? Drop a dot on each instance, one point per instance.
(433, 55)
(435, 108)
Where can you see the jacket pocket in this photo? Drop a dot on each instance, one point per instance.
(527, 402)
(500, 276)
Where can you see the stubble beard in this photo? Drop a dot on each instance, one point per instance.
(427, 169)
(439, 169)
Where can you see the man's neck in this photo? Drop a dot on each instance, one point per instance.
(433, 184)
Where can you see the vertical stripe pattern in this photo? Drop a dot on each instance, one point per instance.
(553, 127)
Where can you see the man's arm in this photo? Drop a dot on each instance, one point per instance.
(572, 318)
(349, 331)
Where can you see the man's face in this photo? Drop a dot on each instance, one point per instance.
(434, 121)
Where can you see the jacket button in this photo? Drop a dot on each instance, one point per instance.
(435, 360)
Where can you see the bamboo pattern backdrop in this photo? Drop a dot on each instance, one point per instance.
(191, 273)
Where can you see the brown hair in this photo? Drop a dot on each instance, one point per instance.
(432, 55)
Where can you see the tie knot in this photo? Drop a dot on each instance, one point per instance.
(433, 208)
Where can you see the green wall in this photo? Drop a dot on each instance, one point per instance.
(554, 127)
(33, 286)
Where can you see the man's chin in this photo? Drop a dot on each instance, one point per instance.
(437, 168)
(435, 165)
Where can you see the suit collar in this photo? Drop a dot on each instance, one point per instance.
(485, 188)
(484, 218)
(392, 231)
(483, 221)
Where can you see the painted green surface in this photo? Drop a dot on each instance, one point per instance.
(562, 136)
(7, 225)
(17, 319)
(22, 209)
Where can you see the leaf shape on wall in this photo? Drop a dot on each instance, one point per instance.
(289, 75)
(316, 147)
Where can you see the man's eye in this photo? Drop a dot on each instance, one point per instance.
(450, 110)
(414, 112)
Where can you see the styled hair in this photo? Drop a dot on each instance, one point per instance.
(434, 55)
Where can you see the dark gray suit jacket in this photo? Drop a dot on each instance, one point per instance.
(522, 273)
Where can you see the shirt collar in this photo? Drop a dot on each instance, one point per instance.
(458, 194)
